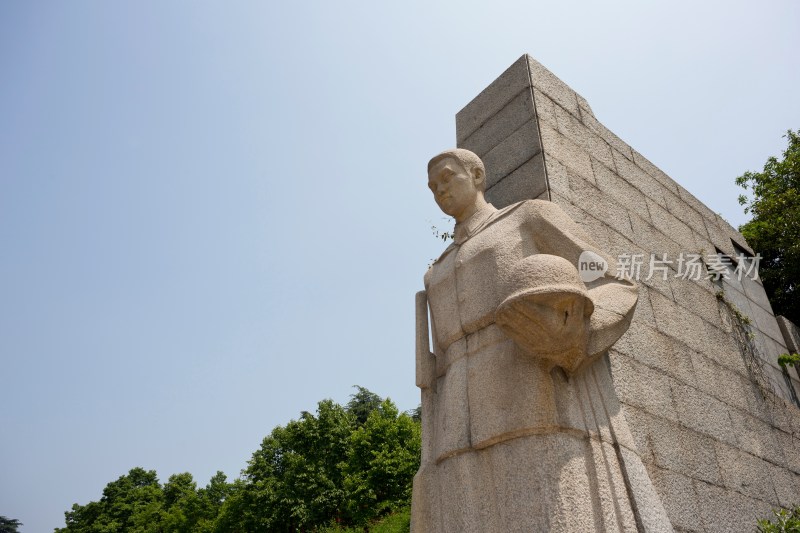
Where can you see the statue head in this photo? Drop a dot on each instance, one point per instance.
(457, 179)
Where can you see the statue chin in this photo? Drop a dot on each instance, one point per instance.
(547, 311)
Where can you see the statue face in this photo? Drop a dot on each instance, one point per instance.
(453, 188)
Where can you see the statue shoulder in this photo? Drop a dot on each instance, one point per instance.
(536, 209)
(437, 262)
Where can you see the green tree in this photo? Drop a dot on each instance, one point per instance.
(362, 403)
(774, 230)
(136, 502)
(294, 482)
(384, 455)
(9, 525)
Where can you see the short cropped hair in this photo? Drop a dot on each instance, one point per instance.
(469, 160)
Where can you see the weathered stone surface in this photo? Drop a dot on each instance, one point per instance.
(643, 387)
(678, 495)
(703, 413)
(661, 352)
(626, 194)
(727, 511)
(719, 450)
(672, 227)
(643, 163)
(525, 183)
(567, 153)
(572, 128)
(696, 295)
(679, 323)
(492, 99)
(676, 448)
(545, 108)
(519, 336)
(502, 124)
(638, 178)
(754, 290)
(617, 143)
(512, 152)
(549, 84)
(791, 334)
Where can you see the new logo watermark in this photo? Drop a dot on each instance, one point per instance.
(591, 266)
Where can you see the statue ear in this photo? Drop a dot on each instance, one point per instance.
(478, 175)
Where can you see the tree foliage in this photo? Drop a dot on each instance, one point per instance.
(774, 230)
(9, 525)
(341, 467)
(137, 502)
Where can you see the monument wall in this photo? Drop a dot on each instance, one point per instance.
(712, 413)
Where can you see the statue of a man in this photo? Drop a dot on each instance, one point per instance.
(522, 430)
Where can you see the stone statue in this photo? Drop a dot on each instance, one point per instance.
(522, 430)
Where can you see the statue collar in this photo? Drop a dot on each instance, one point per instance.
(473, 224)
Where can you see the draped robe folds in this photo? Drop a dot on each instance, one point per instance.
(511, 441)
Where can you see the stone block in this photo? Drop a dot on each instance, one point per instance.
(577, 132)
(721, 382)
(583, 105)
(734, 301)
(790, 448)
(568, 153)
(677, 494)
(684, 212)
(756, 437)
(652, 348)
(668, 445)
(643, 163)
(703, 413)
(552, 86)
(653, 240)
(755, 291)
(698, 297)
(501, 125)
(721, 347)
(732, 233)
(643, 387)
(696, 204)
(727, 511)
(719, 238)
(638, 178)
(615, 142)
(545, 108)
(765, 321)
(791, 334)
(526, 182)
(623, 192)
(786, 484)
(684, 451)
(511, 153)
(679, 323)
(671, 226)
(493, 98)
(745, 473)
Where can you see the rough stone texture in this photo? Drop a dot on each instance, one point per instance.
(527, 432)
(709, 410)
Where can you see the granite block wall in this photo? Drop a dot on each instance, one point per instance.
(713, 414)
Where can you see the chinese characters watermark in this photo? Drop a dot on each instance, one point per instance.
(691, 266)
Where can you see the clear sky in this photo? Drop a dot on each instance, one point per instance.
(214, 215)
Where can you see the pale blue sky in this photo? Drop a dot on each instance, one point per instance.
(213, 215)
